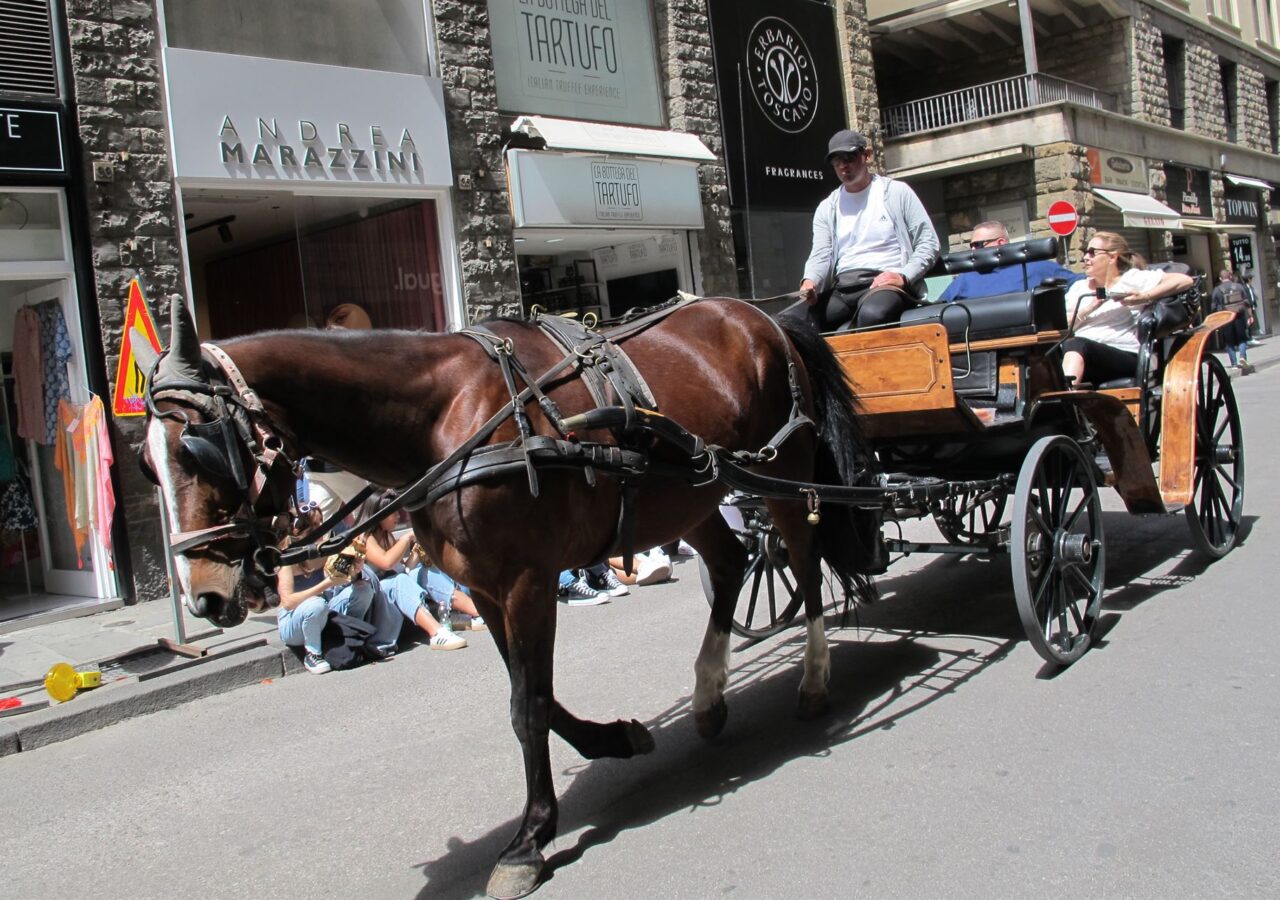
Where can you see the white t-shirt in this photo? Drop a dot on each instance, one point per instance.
(865, 236)
(1112, 323)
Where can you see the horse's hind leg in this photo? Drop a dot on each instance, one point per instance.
(527, 635)
(726, 559)
(801, 540)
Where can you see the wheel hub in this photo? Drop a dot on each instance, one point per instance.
(1073, 549)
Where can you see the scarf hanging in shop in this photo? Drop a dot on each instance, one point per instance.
(28, 375)
(55, 351)
(83, 456)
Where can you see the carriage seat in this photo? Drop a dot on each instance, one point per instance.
(988, 259)
(1043, 308)
(1158, 321)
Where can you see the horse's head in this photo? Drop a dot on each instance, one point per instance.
(223, 477)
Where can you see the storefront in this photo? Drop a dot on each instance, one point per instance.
(54, 557)
(1119, 180)
(314, 195)
(1242, 199)
(606, 217)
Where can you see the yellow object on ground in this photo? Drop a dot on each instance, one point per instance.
(63, 682)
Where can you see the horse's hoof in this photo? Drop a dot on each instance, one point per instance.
(812, 705)
(511, 881)
(639, 738)
(711, 721)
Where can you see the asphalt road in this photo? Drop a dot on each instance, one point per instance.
(952, 764)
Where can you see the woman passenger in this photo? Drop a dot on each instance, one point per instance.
(1104, 341)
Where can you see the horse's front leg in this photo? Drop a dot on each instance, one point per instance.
(726, 559)
(801, 540)
(528, 638)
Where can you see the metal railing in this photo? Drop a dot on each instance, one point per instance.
(985, 100)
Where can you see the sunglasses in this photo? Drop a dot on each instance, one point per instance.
(846, 157)
(1094, 251)
(978, 245)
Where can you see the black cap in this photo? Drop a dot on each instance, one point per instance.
(846, 141)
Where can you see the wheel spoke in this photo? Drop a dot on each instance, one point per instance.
(782, 574)
(1083, 579)
(773, 599)
(757, 564)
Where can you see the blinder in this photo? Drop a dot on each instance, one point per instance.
(210, 445)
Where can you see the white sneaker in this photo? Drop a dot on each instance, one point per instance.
(684, 549)
(653, 568)
(445, 639)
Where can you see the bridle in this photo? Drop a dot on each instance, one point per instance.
(235, 425)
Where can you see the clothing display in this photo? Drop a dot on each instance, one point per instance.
(83, 456)
(55, 351)
(28, 375)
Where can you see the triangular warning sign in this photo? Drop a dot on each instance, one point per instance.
(131, 381)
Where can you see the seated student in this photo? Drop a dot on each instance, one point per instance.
(308, 594)
(387, 554)
(1104, 341)
(1005, 280)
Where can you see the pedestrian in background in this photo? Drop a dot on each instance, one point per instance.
(1230, 295)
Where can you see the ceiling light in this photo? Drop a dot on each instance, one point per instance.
(554, 240)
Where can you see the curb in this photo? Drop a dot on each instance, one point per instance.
(99, 709)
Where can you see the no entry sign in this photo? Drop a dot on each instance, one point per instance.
(1063, 218)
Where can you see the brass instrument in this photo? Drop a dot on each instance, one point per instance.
(344, 565)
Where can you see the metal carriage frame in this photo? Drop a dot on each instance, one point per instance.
(975, 427)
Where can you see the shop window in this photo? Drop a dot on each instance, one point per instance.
(338, 263)
(30, 226)
(1175, 57)
(26, 51)
(384, 35)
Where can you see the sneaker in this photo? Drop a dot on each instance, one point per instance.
(653, 568)
(476, 623)
(1246, 367)
(444, 639)
(579, 593)
(316, 664)
(683, 549)
(607, 583)
(1254, 343)
(382, 651)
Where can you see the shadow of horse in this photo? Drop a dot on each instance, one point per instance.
(880, 682)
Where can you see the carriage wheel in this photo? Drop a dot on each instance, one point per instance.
(1056, 545)
(1217, 496)
(972, 519)
(769, 597)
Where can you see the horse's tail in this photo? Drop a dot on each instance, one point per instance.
(848, 538)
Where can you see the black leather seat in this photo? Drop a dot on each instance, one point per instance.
(1003, 315)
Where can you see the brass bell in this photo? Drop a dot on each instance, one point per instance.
(814, 518)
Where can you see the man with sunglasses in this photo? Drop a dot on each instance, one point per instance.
(872, 245)
(1006, 280)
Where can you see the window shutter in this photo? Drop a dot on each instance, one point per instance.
(26, 48)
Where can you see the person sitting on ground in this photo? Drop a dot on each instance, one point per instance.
(308, 594)
(650, 567)
(574, 590)
(1006, 279)
(387, 554)
(872, 245)
(1230, 295)
(1104, 341)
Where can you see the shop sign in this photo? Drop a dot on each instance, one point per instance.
(252, 119)
(578, 59)
(1242, 204)
(30, 141)
(550, 189)
(781, 98)
(1241, 253)
(131, 381)
(1187, 190)
(1117, 170)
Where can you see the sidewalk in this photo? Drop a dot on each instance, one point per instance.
(139, 674)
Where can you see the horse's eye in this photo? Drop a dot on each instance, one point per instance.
(148, 472)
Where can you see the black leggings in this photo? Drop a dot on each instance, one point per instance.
(1102, 362)
(859, 309)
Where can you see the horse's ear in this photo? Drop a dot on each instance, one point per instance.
(143, 354)
(183, 360)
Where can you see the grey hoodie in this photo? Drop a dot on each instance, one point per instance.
(915, 233)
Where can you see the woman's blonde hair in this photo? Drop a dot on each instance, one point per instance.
(1124, 257)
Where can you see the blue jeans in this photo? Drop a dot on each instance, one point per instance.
(303, 625)
(1241, 350)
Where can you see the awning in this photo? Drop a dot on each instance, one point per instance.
(596, 137)
(1210, 225)
(1140, 210)
(985, 160)
(1242, 181)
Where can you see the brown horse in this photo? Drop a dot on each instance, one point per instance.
(387, 405)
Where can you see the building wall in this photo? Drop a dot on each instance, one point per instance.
(688, 75)
(133, 222)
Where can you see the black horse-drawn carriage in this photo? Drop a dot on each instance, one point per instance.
(974, 427)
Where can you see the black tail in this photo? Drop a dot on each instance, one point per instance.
(848, 538)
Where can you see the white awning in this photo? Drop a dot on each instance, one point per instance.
(1210, 225)
(1242, 181)
(1140, 210)
(597, 137)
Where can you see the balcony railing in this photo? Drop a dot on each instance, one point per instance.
(991, 99)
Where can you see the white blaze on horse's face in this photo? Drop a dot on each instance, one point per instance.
(158, 450)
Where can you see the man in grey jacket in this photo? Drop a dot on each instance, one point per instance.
(872, 244)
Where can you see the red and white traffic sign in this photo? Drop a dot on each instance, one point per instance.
(1063, 218)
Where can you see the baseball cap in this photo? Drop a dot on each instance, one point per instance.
(846, 141)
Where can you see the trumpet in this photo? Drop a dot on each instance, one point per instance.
(345, 565)
(421, 552)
